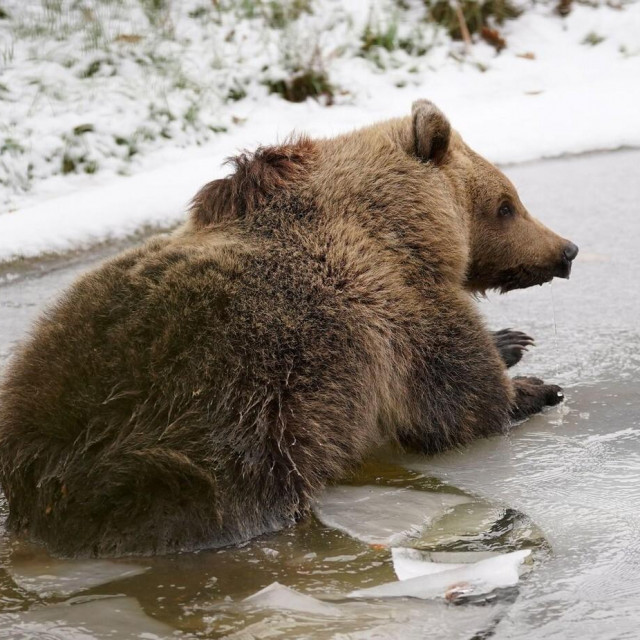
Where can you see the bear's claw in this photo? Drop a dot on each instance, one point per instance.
(512, 344)
(533, 395)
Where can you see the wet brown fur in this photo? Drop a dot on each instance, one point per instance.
(201, 389)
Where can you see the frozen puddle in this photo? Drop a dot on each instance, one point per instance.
(119, 618)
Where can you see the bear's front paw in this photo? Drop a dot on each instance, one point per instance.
(533, 395)
(512, 345)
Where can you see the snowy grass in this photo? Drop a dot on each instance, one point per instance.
(90, 87)
(163, 90)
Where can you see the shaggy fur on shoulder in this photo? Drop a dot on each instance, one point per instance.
(256, 180)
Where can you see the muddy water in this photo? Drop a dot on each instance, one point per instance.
(564, 484)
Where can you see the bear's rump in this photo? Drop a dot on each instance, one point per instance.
(182, 400)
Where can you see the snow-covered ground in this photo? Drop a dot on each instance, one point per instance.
(113, 114)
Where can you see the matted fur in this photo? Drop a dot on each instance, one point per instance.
(257, 178)
(201, 389)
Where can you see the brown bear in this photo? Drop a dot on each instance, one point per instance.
(201, 389)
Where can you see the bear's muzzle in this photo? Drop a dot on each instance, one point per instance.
(568, 256)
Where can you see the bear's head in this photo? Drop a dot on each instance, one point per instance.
(508, 248)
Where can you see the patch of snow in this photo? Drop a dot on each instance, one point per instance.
(103, 93)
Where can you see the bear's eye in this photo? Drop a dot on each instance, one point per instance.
(505, 210)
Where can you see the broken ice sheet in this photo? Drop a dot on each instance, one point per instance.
(383, 515)
(277, 596)
(480, 526)
(48, 576)
(411, 563)
(119, 618)
(472, 579)
(400, 619)
(384, 620)
(463, 523)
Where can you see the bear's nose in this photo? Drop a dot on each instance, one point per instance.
(570, 251)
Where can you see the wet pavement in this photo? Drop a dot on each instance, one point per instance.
(565, 484)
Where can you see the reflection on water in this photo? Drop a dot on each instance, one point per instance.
(571, 473)
(201, 594)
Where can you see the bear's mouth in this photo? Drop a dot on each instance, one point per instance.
(564, 269)
(524, 277)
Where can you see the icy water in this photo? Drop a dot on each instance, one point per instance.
(565, 485)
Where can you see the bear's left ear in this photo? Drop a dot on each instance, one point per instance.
(431, 131)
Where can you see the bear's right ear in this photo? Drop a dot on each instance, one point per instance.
(431, 131)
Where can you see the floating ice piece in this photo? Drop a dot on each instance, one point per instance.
(277, 596)
(458, 557)
(48, 576)
(480, 523)
(118, 618)
(404, 619)
(465, 522)
(382, 515)
(411, 563)
(478, 578)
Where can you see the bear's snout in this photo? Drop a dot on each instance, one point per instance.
(570, 251)
(569, 254)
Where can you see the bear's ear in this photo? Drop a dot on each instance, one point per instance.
(431, 131)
